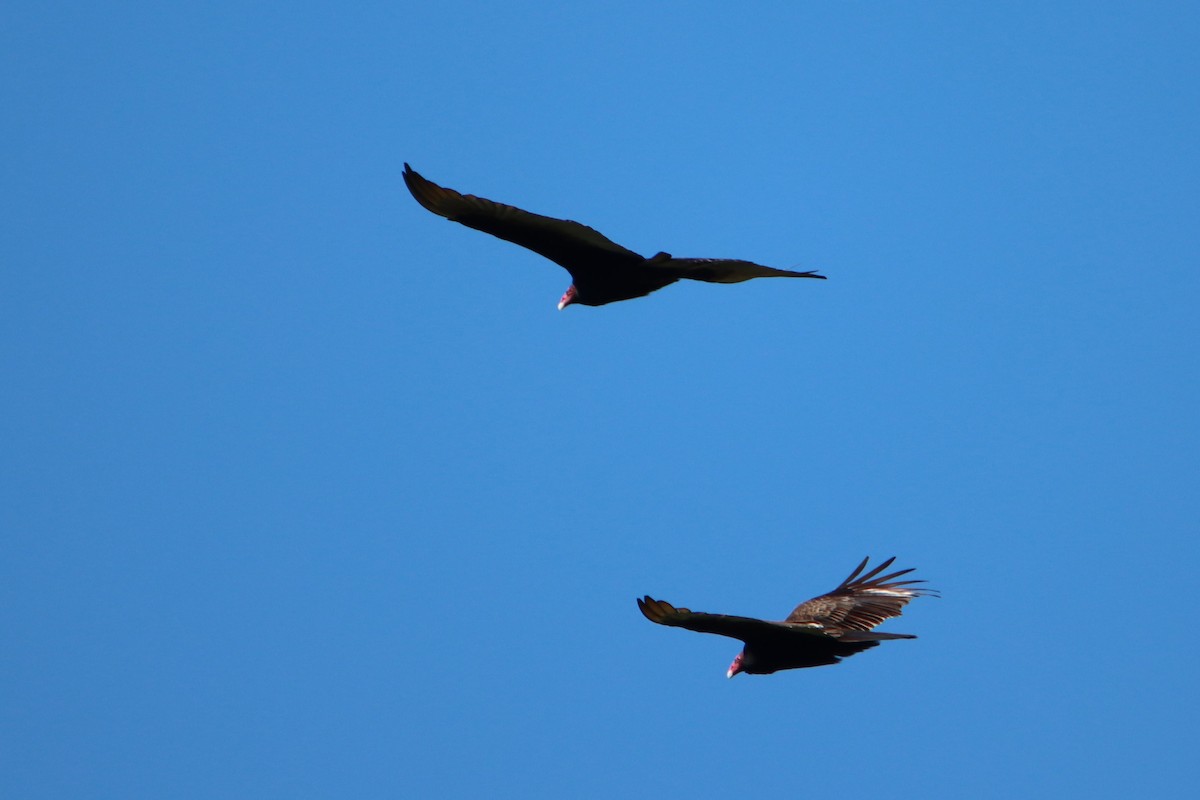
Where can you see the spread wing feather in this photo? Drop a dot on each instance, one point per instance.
(862, 601)
(566, 243)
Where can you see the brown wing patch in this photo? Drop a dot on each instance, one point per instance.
(862, 601)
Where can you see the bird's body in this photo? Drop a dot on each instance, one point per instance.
(602, 271)
(818, 632)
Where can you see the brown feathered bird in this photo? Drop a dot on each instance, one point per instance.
(601, 270)
(821, 631)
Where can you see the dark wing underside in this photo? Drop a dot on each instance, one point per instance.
(569, 244)
(860, 602)
(743, 628)
(728, 270)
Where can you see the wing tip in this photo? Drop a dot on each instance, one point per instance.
(646, 604)
(656, 610)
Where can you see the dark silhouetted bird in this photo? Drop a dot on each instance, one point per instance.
(821, 631)
(601, 270)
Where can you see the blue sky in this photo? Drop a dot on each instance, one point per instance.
(307, 492)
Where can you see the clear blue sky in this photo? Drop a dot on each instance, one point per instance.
(309, 493)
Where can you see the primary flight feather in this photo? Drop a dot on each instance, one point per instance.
(602, 271)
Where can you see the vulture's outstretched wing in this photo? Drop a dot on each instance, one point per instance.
(744, 628)
(861, 601)
(569, 244)
(729, 270)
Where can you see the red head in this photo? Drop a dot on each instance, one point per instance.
(568, 298)
(736, 666)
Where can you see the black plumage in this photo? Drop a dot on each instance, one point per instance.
(818, 632)
(602, 271)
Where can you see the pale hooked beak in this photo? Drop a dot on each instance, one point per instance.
(567, 298)
(736, 666)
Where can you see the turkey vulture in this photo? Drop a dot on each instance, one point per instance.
(821, 631)
(601, 270)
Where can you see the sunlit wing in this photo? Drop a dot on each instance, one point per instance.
(862, 601)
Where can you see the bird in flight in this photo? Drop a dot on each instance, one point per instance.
(602, 271)
(820, 631)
